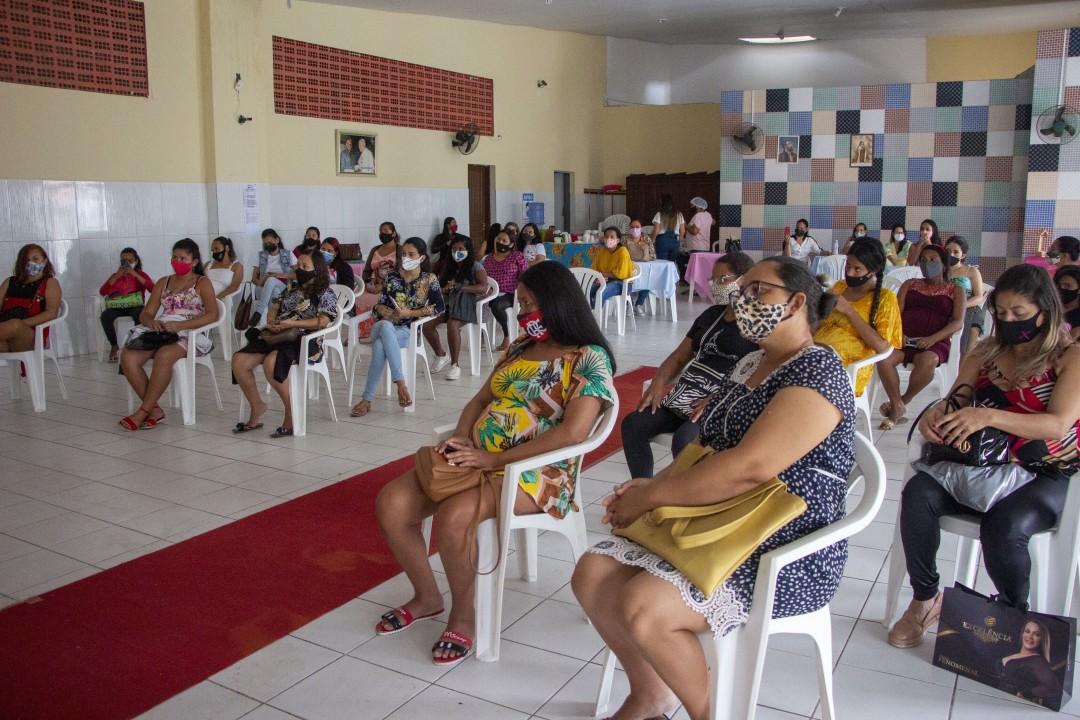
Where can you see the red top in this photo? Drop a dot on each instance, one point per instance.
(126, 285)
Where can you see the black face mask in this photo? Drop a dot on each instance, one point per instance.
(310, 242)
(218, 256)
(1068, 296)
(302, 276)
(270, 247)
(501, 247)
(854, 282)
(1018, 332)
(953, 261)
(385, 237)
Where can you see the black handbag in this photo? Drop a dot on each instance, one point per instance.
(277, 338)
(733, 245)
(462, 305)
(698, 381)
(150, 339)
(243, 309)
(982, 448)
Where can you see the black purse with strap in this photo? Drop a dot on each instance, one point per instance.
(982, 448)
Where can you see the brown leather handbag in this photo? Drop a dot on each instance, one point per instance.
(243, 309)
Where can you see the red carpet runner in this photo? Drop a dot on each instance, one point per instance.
(126, 639)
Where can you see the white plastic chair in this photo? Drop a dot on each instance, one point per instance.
(945, 375)
(587, 278)
(1054, 554)
(833, 266)
(121, 325)
(477, 331)
(409, 354)
(492, 536)
(862, 402)
(184, 371)
(622, 303)
(227, 333)
(736, 660)
(898, 274)
(34, 361)
(620, 221)
(346, 299)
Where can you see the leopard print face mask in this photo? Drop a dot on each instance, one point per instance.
(756, 320)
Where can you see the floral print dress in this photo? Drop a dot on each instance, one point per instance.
(530, 398)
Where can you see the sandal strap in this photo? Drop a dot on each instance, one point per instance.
(394, 621)
(455, 642)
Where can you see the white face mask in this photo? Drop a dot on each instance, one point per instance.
(410, 264)
(611, 243)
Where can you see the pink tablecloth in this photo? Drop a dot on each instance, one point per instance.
(698, 272)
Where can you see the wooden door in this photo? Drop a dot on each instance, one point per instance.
(480, 191)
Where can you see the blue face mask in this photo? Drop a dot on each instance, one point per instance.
(328, 256)
(460, 255)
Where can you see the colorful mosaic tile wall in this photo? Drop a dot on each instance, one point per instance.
(1053, 196)
(953, 151)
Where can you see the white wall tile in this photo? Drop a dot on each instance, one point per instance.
(993, 244)
(92, 209)
(148, 212)
(230, 208)
(8, 251)
(873, 121)
(976, 92)
(946, 169)
(120, 209)
(316, 206)
(999, 143)
(778, 172)
(61, 218)
(173, 210)
(278, 206)
(26, 208)
(332, 209)
(5, 218)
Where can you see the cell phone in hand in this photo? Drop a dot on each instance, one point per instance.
(913, 342)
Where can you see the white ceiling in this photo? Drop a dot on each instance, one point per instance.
(717, 22)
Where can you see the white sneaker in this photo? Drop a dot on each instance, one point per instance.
(453, 373)
(441, 361)
(639, 310)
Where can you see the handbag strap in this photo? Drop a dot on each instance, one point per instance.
(486, 481)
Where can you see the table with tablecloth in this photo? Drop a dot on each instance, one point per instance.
(698, 272)
(573, 254)
(659, 277)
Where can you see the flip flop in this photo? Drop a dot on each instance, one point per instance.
(454, 642)
(405, 401)
(282, 432)
(404, 622)
(358, 412)
(244, 427)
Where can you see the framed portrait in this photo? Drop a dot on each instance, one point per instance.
(355, 153)
(862, 150)
(787, 149)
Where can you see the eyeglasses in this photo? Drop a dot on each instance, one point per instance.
(752, 291)
(725, 279)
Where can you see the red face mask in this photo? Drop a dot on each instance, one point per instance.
(453, 228)
(533, 324)
(180, 267)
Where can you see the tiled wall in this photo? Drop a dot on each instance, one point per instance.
(1053, 196)
(954, 151)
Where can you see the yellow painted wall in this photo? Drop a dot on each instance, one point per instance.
(660, 139)
(979, 57)
(72, 135)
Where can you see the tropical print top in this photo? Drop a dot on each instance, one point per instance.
(530, 397)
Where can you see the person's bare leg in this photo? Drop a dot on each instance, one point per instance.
(282, 389)
(431, 334)
(922, 372)
(243, 368)
(453, 339)
(974, 335)
(890, 381)
(16, 336)
(400, 508)
(133, 363)
(458, 551)
(599, 583)
(160, 376)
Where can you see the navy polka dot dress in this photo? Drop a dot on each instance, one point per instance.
(819, 478)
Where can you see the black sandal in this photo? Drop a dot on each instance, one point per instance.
(282, 432)
(244, 427)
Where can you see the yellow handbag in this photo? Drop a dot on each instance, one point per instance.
(708, 543)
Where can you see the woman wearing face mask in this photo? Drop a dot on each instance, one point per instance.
(409, 293)
(668, 225)
(898, 247)
(522, 411)
(802, 246)
(224, 270)
(442, 242)
(928, 235)
(1063, 252)
(647, 611)
(932, 309)
(29, 297)
(275, 269)
(341, 273)
(311, 241)
(970, 281)
(715, 345)
(308, 304)
(1067, 281)
(613, 262)
(463, 282)
(866, 320)
(187, 302)
(125, 293)
(641, 249)
(1026, 376)
(531, 245)
(383, 259)
(858, 232)
(507, 266)
(696, 239)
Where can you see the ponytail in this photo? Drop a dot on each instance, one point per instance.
(880, 275)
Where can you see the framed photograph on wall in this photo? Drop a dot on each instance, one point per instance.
(862, 150)
(355, 153)
(787, 149)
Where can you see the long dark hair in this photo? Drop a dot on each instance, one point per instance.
(393, 230)
(668, 214)
(1032, 283)
(903, 243)
(935, 234)
(739, 262)
(230, 251)
(446, 231)
(567, 315)
(338, 262)
(20, 264)
(318, 284)
(522, 238)
(871, 253)
(421, 247)
(138, 260)
(796, 277)
(460, 272)
(1069, 271)
(192, 249)
(272, 233)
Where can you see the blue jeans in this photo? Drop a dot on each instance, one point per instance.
(269, 290)
(642, 296)
(667, 246)
(387, 340)
(614, 287)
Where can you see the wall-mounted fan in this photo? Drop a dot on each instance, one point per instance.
(466, 139)
(1058, 123)
(747, 139)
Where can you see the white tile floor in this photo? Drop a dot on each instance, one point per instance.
(78, 495)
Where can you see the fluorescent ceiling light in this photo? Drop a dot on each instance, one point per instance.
(773, 40)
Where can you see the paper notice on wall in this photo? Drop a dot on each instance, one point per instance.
(251, 209)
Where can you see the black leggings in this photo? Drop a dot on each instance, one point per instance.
(110, 315)
(641, 426)
(499, 306)
(1004, 533)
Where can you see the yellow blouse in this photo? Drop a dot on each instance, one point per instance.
(837, 331)
(617, 263)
